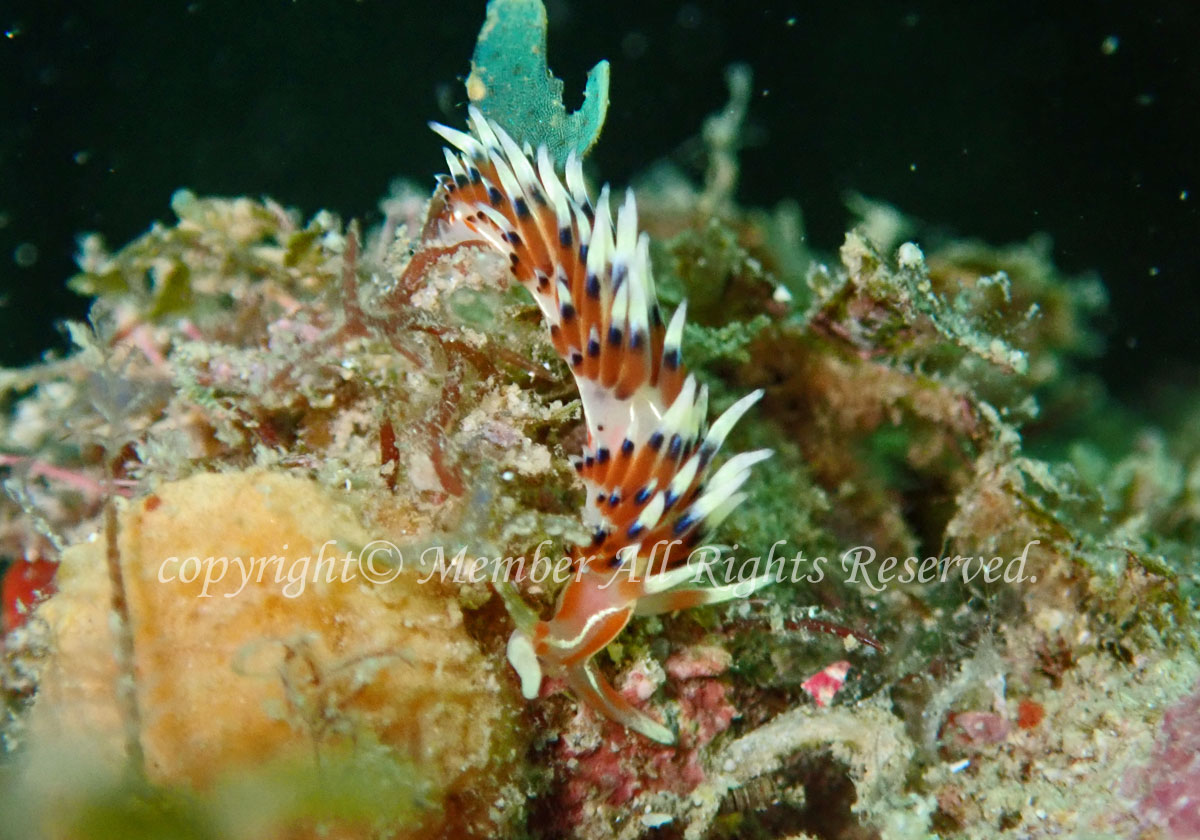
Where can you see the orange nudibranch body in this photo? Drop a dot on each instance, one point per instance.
(646, 464)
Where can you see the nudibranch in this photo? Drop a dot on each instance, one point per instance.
(650, 499)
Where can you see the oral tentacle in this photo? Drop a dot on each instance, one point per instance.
(591, 688)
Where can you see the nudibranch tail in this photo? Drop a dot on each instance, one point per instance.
(646, 464)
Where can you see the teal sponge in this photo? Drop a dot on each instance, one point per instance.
(512, 85)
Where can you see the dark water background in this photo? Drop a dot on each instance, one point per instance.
(991, 119)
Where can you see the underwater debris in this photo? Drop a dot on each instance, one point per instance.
(827, 682)
(722, 133)
(866, 740)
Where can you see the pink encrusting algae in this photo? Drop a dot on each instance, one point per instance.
(649, 497)
(1170, 784)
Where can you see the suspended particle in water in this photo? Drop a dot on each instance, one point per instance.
(25, 254)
